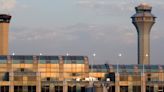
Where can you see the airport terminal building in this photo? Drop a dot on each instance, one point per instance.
(74, 74)
(41, 73)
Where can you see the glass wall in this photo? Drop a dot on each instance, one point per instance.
(48, 66)
(73, 66)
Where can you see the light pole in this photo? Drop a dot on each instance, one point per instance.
(39, 74)
(67, 54)
(12, 72)
(117, 75)
(119, 55)
(92, 80)
(40, 54)
(13, 53)
(94, 55)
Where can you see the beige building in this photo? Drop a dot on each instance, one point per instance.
(74, 74)
(40, 73)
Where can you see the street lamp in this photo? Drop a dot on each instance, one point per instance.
(13, 53)
(147, 55)
(67, 54)
(119, 55)
(40, 54)
(94, 55)
(91, 80)
(39, 74)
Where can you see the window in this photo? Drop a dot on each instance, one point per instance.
(6, 76)
(148, 77)
(3, 59)
(73, 59)
(45, 89)
(4, 88)
(58, 88)
(24, 88)
(22, 69)
(123, 88)
(18, 88)
(48, 59)
(148, 18)
(22, 59)
(72, 89)
(31, 88)
(149, 89)
(136, 88)
(48, 78)
(139, 18)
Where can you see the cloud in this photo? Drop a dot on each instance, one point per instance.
(105, 4)
(75, 33)
(7, 5)
(108, 6)
(36, 34)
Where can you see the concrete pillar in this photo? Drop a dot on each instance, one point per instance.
(65, 86)
(130, 84)
(11, 76)
(78, 88)
(86, 67)
(105, 89)
(117, 86)
(61, 69)
(156, 88)
(52, 88)
(25, 89)
(11, 87)
(143, 83)
(38, 84)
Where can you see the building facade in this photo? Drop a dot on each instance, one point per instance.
(40, 73)
(74, 74)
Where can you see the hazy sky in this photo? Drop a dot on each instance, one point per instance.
(81, 27)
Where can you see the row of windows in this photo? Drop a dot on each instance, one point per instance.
(42, 59)
(74, 89)
(144, 19)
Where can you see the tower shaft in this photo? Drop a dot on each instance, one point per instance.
(4, 27)
(4, 38)
(143, 30)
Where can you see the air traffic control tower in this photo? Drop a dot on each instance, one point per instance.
(143, 20)
(4, 29)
